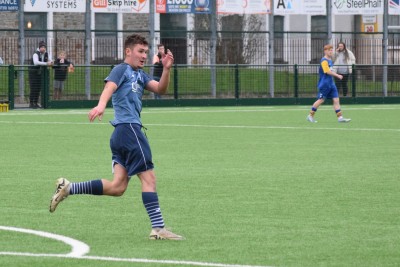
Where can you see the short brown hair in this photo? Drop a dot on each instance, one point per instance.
(328, 47)
(134, 39)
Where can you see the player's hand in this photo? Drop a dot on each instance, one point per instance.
(168, 59)
(96, 112)
(339, 76)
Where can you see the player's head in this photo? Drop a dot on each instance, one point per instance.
(136, 48)
(328, 50)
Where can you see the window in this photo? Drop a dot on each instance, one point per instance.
(106, 48)
(318, 37)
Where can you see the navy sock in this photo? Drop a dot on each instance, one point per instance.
(94, 187)
(150, 202)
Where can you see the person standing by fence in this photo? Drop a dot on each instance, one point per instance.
(158, 65)
(40, 60)
(343, 59)
(61, 68)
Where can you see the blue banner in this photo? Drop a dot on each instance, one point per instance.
(9, 5)
(183, 6)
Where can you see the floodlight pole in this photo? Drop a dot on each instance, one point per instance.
(271, 51)
(385, 47)
(213, 54)
(88, 45)
(21, 44)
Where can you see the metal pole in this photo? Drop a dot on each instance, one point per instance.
(329, 21)
(271, 51)
(88, 45)
(385, 47)
(213, 50)
(151, 30)
(21, 44)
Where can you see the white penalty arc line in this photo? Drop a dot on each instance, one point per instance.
(80, 249)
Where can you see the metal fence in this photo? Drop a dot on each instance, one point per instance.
(195, 82)
(193, 47)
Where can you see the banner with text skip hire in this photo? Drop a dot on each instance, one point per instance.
(55, 6)
(243, 6)
(121, 6)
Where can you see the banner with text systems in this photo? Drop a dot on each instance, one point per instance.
(55, 6)
(244, 6)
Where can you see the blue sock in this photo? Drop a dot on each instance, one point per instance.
(150, 202)
(94, 187)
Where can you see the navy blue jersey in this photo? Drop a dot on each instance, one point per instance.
(127, 99)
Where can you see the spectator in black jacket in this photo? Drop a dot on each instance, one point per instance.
(61, 68)
(39, 62)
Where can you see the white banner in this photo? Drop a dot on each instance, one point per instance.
(121, 6)
(300, 7)
(357, 7)
(394, 7)
(55, 6)
(243, 7)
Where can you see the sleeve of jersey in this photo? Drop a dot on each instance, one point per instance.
(116, 75)
(325, 66)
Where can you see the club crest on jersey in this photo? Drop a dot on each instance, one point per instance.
(135, 87)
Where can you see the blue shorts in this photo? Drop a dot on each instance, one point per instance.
(328, 92)
(130, 148)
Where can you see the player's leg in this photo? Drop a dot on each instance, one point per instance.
(152, 205)
(116, 187)
(315, 107)
(338, 111)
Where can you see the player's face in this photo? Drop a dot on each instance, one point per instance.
(329, 52)
(136, 55)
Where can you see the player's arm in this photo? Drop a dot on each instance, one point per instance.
(327, 70)
(98, 111)
(162, 86)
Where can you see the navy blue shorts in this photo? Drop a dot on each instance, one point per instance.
(328, 92)
(130, 148)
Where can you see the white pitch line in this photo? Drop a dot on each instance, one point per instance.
(214, 126)
(78, 248)
(136, 260)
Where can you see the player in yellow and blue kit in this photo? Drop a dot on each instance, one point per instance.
(326, 86)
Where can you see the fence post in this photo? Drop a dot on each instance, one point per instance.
(45, 86)
(296, 81)
(353, 80)
(175, 81)
(237, 81)
(11, 86)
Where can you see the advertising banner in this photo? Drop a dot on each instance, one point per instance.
(120, 6)
(300, 7)
(183, 6)
(394, 7)
(357, 7)
(55, 6)
(9, 5)
(243, 6)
